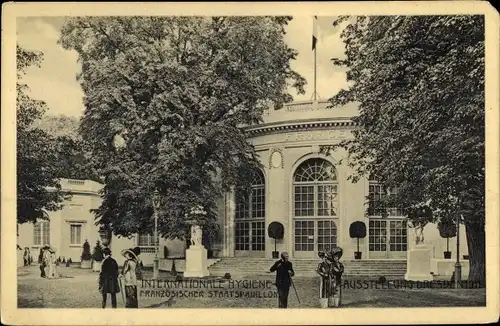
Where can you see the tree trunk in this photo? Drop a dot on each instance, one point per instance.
(476, 244)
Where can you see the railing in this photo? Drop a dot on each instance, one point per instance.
(305, 106)
(76, 182)
(147, 250)
(299, 107)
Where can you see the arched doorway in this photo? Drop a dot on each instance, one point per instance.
(315, 208)
(250, 219)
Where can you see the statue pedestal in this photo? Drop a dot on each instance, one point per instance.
(419, 264)
(196, 262)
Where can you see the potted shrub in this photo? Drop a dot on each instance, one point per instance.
(86, 257)
(97, 256)
(357, 230)
(69, 262)
(275, 230)
(447, 229)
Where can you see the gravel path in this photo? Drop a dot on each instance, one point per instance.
(77, 288)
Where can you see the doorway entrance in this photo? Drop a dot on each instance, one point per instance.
(311, 236)
(387, 238)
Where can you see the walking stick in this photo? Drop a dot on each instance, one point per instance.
(122, 289)
(296, 294)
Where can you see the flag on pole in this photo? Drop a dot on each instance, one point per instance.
(315, 32)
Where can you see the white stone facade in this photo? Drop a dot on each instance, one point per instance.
(288, 145)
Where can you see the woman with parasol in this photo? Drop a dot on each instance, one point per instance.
(129, 276)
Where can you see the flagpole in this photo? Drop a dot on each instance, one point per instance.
(315, 71)
(315, 45)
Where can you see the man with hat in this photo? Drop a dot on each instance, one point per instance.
(108, 278)
(284, 273)
(42, 259)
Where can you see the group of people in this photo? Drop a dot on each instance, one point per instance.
(28, 259)
(112, 281)
(330, 270)
(48, 262)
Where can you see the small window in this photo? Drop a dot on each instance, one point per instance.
(75, 234)
(146, 240)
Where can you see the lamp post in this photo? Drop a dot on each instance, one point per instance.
(458, 266)
(156, 204)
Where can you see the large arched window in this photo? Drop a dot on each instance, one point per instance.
(250, 214)
(315, 207)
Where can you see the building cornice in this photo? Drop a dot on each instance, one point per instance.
(307, 124)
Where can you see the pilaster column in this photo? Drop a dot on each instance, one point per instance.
(229, 225)
(277, 200)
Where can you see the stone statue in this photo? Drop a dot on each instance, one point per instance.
(196, 235)
(418, 227)
(419, 234)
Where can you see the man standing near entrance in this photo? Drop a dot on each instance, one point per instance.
(284, 274)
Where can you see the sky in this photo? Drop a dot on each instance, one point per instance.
(55, 81)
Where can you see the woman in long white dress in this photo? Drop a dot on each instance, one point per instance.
(51, 263)
(129, 278)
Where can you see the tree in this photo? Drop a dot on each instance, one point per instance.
(60, 125)
(74, 159)
(165, 100)
(357, 230)
(97, 254)
(447, 229)
(419, 82)
(38, 187)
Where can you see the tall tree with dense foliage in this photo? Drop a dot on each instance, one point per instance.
(74, 160)
(165, 100)
(60, 125)
(38, 187)
(419, 82)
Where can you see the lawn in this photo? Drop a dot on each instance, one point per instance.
(78, 289)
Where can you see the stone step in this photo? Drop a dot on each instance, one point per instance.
(309, 274)
(372, 269)
(310, 265)
(307, 263)
(309, 271)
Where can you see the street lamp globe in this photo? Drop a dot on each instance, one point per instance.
(156, 199)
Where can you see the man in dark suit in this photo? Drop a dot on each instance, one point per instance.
(108, 278)
(284, 273)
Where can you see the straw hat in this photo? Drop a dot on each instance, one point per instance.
(131, 252)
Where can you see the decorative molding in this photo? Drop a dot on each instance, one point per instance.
(286, 126)
(69, 221)
(276, 158)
